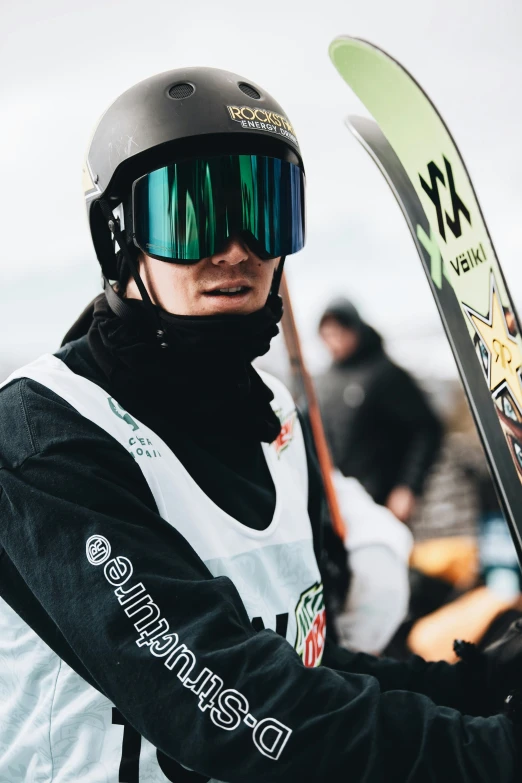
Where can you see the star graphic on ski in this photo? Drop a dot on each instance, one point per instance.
(503, 362)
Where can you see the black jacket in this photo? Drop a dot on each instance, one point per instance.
(63, 479)
(379, 425)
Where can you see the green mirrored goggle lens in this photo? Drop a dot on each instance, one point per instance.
(187, 210)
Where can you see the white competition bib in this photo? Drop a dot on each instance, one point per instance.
(274, 571)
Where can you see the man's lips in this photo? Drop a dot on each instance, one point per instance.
(236, 288)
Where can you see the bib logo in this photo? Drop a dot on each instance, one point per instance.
(121, 413)
(138, 447)
(263, 119)
(310, 616)
(286, 433)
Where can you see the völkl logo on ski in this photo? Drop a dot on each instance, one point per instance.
(458, 206)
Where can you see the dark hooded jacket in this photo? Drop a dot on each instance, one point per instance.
(380, 427)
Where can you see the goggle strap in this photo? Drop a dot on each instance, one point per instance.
(278, 274)
(116, 303)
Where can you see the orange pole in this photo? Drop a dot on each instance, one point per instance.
(298, 367)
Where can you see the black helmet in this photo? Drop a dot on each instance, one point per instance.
(179, 114)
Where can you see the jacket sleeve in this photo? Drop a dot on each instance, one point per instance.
(202, 685)
(405, 403)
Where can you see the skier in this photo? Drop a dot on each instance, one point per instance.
(162, 615)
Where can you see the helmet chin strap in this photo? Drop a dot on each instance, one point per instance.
(278, 274)
(118, 304)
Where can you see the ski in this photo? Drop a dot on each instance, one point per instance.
(303, 382)
(417, 155)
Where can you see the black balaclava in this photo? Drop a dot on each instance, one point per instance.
(204, 381)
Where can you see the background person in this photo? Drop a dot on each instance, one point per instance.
(380, 427)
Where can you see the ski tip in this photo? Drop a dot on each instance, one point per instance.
(345, 43)
(339, 43)
(364, 129)
(354, 121)
(344, 47)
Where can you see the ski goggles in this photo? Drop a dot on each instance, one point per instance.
(188, 210)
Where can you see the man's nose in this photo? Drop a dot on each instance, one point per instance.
(234, 252)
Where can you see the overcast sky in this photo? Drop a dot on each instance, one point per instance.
(64, 61)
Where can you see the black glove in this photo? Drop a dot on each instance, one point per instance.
(492, 678)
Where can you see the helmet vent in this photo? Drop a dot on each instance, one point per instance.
(180, 91)
(249, 90)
